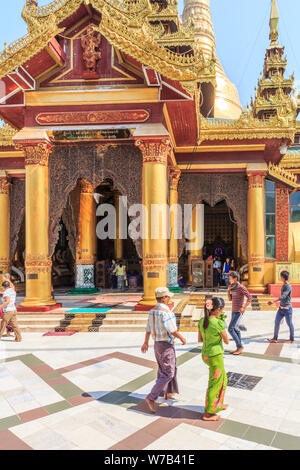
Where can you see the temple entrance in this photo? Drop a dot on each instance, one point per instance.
(220, 232)
(120, 250)
(63, 264)
(221, 241)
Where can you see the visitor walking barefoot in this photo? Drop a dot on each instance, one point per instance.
(241, 298)
(163, 329)
(9, 311)
(9, 329)
(285, 309)
(212, 332)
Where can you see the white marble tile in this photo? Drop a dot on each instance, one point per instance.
(87, 438)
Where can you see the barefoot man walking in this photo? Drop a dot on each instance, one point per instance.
(237, 293)
(285, 309)
(9, 312)
(163, 329)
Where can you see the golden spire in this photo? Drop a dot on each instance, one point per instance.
(274, 20)
(226, 102)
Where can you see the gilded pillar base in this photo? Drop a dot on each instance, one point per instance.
(256, 275)
(155, 271)
(38, 283)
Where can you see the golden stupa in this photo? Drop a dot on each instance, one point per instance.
(227, 103)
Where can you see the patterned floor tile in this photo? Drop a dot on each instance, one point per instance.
(86, 392)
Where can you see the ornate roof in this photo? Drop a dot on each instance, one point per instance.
(248, 127)
(283, 175)
(273, 93)
(26, 47)
(132, 26)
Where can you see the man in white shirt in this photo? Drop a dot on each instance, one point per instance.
(163, 329)
(9, 311)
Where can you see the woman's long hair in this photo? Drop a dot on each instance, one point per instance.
(211, 305)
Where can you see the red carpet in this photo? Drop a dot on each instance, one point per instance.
(44, 308)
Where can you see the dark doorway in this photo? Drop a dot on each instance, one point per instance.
(62, 260)
(219, 231)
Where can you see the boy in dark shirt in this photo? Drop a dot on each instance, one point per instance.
(285, 309)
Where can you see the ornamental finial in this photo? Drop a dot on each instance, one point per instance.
(274, 20)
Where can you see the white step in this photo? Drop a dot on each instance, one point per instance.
(120, 328)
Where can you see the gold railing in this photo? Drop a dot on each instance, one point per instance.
(14, 47)
(184, 60)
(6, 135)
(282, 174)
(46, 9)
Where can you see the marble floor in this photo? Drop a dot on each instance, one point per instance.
(87, 391)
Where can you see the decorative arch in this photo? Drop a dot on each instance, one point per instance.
(94, 163)
(17, 211)
(214, 188)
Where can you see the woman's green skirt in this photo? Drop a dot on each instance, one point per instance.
(216, 385)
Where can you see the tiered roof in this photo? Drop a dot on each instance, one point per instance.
(149, 31)
(273, 93)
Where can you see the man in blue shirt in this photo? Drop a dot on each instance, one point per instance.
(285, 309)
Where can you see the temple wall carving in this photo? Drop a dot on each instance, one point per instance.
(17, 213)
(94, 163)
(213, 188)
(70, 218)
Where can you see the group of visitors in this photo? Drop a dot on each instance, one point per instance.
(221, 270)
(118, 275)
(212, 333)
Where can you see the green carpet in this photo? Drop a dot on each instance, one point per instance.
(78, 291)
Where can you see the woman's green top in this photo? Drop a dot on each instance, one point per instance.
(212, 341)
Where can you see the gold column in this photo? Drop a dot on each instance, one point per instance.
(173, 245)
(86, 244)
(38, 263)
(256, 230)
(5, 262)
(154, 186)
(195, 229)
(172, 273)
(118, 240)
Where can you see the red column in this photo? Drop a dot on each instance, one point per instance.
(282, 223)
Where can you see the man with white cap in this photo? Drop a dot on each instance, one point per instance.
(163, 329)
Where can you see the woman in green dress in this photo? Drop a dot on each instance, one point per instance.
(212, 332)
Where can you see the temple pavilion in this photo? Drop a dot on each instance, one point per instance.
(110, 98)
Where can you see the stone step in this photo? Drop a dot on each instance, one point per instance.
(53, 313)
(84, 329)
(79, 322)
(197, 314)
(188, 310)
(123, 321)
(80, 316)
(37, 328)
(24, 323)
(119, 328)
(133, 316)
